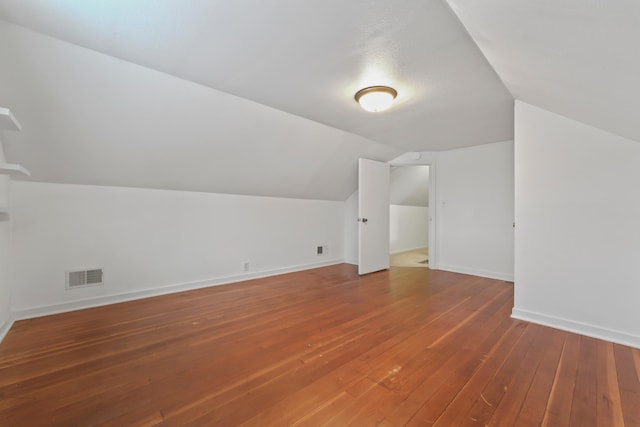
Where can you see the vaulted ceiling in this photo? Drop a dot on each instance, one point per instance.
(256, 97)
(409, 185)
(576, 58)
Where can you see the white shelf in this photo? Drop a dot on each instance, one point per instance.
(8, 121)
(11, 169)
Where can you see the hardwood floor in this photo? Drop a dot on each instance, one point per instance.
(321, 347)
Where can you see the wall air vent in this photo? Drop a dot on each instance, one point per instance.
(84, 278)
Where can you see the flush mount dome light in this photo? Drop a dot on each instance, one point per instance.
(376, 98)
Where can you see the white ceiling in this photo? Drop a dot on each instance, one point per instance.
(307, 58)
(89, 118)
(577, 58)
(409, 186)
(256, 97)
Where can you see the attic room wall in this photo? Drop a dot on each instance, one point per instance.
(350, 225)
(96, 120)
(473, 207)
(475, 210)
(5, 235)
(408, 210)
(154, 241)
(409, 228)
(577, 240)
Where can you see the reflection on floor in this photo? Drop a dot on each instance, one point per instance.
(414, 258)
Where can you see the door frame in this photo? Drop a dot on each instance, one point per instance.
(426, 159)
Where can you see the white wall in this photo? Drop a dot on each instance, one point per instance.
(475, 210)
(470, 210)
(408, 228)
(430, 160)
(577, 226)
(351, 229)
(147, 240)
(5, 235)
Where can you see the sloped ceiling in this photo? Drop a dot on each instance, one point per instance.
(89, 118)
(307, 58)
(577, 58)
(409, 186)
(243, 96)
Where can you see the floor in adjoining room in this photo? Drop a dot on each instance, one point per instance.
(407, 346)
(414, 258)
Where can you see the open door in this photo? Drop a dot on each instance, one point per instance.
(373, 216)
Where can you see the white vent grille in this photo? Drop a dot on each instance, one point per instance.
(82, 278)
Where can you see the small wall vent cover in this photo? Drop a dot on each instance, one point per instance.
(83, 278)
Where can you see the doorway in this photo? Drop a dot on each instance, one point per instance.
(409, 216)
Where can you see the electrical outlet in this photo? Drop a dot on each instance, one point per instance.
(245, 266)
(321, 250)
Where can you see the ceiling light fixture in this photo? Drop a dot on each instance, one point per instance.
(376, 98)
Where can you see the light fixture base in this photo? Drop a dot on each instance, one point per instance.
(376, 98)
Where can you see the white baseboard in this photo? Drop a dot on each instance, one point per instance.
(581, 328)
(6, 326)
(475, 272)
(29, 313)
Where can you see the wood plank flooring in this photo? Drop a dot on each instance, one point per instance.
(407, 346)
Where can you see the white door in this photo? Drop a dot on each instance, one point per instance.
(373, 216)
